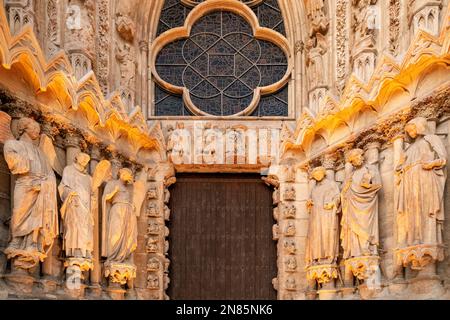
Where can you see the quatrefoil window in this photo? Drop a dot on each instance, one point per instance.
(223, 64)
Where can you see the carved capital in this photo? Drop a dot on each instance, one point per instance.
(72, 140)
(362, 267)
(322, 273)
(82, 263)
(50, 130)
(120, 272)
(329, 161)
(419, 256)
(95, 153)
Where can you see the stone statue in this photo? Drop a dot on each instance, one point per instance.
(76, 190)
(316, 14)
(127, 66)
(316, 48)
(421, 172)
(359, 198)
(121, 204)
(362, 18)
(322, 245)
(34, 221)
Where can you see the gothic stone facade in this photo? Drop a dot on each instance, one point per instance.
(348, 124)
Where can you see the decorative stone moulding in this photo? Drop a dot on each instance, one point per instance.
(343, 117)
(291, 264)
(322, 273)
(261, 33)
(152, 193)
(419, 256)
(289, 246)
(289, 194)
(289, 211)
(120, 273)
(153, 210)
(291, 284)
(424, 14)
(55, 90)
(362, 267)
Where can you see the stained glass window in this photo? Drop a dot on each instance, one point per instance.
(221, 63)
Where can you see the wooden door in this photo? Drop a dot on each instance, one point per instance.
(221, 238)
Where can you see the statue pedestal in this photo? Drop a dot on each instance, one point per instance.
(20, 281)
(116, 292)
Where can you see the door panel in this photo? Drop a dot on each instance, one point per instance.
(221, 243)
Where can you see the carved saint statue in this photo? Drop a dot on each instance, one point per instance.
(420, 207)
(127, 66)
(76, 189)
(122, 201)
(322, 245)
(34, 221)
(316, 48)
(359, 198)
(316, 14)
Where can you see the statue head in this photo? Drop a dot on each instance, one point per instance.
(126, 175)
(82, 159)
(356, 157)
(319, 173)
(417, 126)
(29, 127)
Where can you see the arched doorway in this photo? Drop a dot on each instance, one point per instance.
(221, 238)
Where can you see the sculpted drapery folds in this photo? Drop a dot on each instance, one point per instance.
(76, 191)
(421, 182)
(359, 198)
(322, 245)
(34, 221)
(121, 204)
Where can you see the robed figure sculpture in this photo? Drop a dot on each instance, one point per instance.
(121, 206)
(77, 191)
(34, 221)
(359, 198)
(420, 201)
(322, 246)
